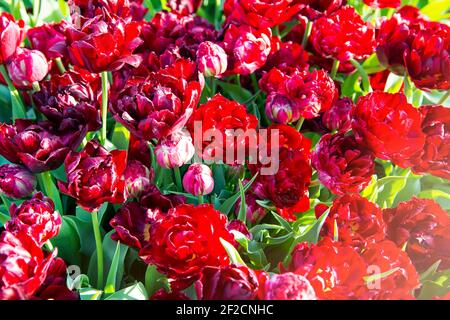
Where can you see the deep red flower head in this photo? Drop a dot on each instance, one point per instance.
(428, 59)
(314, 9)
(335, 271)
(26, 67)
(50, 39)
(36, 218)
(104, 43)
(343, 165)
(230, 282)
(436, 153)
(16, 181)
(389, 126)
(132, 223)
(343, 35)
(153, 199)
(424, 227)
(94, 176)
(359, 222)
(70, 98)
(163, 104)
(286, 56)
(54, 286)
(87, 9)
(184, 7)
(385, 257)
(11, 36)
(38, 146)
(186, 240)
(338, 117)
(286, 286)
(260, 13)
(23, 267)
(247, 48)
(383, 3)
(221, 116)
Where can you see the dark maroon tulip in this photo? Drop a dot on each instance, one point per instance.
(23, 267)
(185, 7)
(338, 117)
(131, 224)
(238, 225)
(27, 66)
(38, 146)
(35, 217)
(11, 36)
(70, 98)
(90, 8)
(50, 39)
(153, 199)
(54, 286)
(104, 43)
(16, 181)
(95, 176)
(436, 152)
(227, 283)
(343, 165)
(137, 178)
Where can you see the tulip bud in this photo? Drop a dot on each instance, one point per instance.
(175, 151)
(198, 180)
(338, 118)
(16, 181)
(279, 109)
(11, 35)
(137, 178)
(211, 59)
(27, 66)
(287, 286)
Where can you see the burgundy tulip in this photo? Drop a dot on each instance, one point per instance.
(137, 178)
(16, 181)
(50, 39)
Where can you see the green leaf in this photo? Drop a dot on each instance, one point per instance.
(234, 256)
(235, 91)
(110, 286)
(437, 10)
(154, 280)
(90, 294)
(286, 225)
(228, 204)
(48, 186)
(243, 206)
(3, 219)
(311, 235)
(372, 64)
(430, 271)
(393, 83)
(134, 292)
(120, 137)
(378, 276)
(68, 241)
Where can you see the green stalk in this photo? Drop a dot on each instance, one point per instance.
(299, 123)
(408, 88)
(18, 107)
(444, 97)
(49, 246)
(98, 246)
(104, 75)
(334, 69)
(212, 86)
(60, 65)
(47, 186)
(217, 15)
(306, 34)
(176, 171)
(200, 199)
(363, 74)
(36, 11)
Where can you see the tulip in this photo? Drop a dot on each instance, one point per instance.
(16, 181)
(175, 151)
(198, 180)
(49, 39)
(11, 36)
(338, 117)
(211, 59)
(137, 178)
(287, 286)
(27, 67)
(279, 109)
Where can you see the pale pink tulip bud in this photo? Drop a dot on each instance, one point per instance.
(211, 59)
(198, 180)
(27, 66)
(175, 151)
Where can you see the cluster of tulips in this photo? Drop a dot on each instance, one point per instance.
(224, 150)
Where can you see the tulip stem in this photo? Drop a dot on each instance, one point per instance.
(104, 75)
(36, 11)
(49, 246)
(212, 85)
(299, 123)
(60, 65)
(200, 199)
(36, 86)
(306, 34)
(364, 77)
(176, 171)
(444, 97)
(334, 69)
(18, 108)
(99, 249)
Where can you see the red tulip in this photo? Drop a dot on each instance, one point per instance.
(11, 36)
(26, 67)
(16, 181)
(211, 59)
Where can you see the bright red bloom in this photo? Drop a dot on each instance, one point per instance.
(436, 153)
(383, 257)
(383, 3)
(260, 13)
(70, 98)
(389, 126)
(90, 8)
(343, 35)
(286, 286)
(227, 283)
(335, 271)
(224, 116)
(156, 108)
(11, 36)
(343, 165)
(16, 181)
(36, 218)
(104, 43)
(186, 240)
(428, 59)
(338, 117)
(94, 176)
(286, 56)
(359, 222)
(50, 39)
(23, 267)
(27, 66)
(314, 9)
(247, 48)
(424, 227)
(184, 7)
(38, 146)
